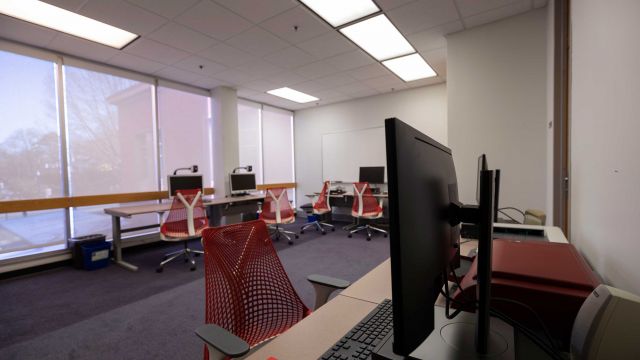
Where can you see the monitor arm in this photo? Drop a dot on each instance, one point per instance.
(459, 213)
(193, 169)
(248, 168)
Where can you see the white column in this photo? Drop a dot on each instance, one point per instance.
(225, 136)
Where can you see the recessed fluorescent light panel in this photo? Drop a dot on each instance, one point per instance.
(410, 67)
(55, 18)
(340, 12)
(378, 37)
(293, 95)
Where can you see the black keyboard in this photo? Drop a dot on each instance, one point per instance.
(360, 341)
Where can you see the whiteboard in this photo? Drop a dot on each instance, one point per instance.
(343, 153)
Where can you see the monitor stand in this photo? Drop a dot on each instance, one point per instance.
(246, 193)
(454, 339)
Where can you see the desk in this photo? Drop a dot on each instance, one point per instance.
(312, 336)
(119, 212)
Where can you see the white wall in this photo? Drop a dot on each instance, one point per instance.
(604, 128)
(424, 108)
(496, 89)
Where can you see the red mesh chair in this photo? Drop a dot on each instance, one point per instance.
(185, 221)
(321, 207)
(249, 297)
(365, 206)
(276, 211)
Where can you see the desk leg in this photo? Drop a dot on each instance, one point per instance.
(117, 245)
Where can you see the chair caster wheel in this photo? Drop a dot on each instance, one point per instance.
(290, 242)
(186, 260)
(368, 238)
(333, 229)
(193, 268)
(297, 237)
(385, 235)
(196, 254)
(324, 233)
(349, 235)
(159, 269)
(301, 231)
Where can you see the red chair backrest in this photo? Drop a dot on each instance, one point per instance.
(176, 222)
(273, 198)
(370, 205)
(323, 199)
(248, 291)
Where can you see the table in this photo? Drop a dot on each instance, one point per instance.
(312, 336)
(119, 212)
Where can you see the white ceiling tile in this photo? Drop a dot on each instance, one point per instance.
(386, 83)
(257, 11)
(497, 14)
(308, 25)
(354, 88)
(22, 31)
(425, 82)
(290, 57)
(258, 42)
(193, 63)
(273, 100)
(350, 60)
(286, 78)
(327, 45)
(330, 94)
(473, 7)
(71, 5)
(391, 4)
(182, 37)
(422, 15)
(540, 3)
(365, 93)
(155, 51)
(226, 55)
(135, 63)
(437, 59)
(259, 68)
(369, 72)
(316, 70)
(245, 92)
(207, 82)
(335, 80)
(235, 77)
(310, 87)
(434, 38)
(213, 20)
(82, 48)
(166, 8)
(261, 85)
(178, 75)
(123, 15)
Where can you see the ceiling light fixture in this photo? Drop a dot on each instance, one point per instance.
(53, 17)
(410, 67)
(340, 12)
(293, 95)
(379, 37)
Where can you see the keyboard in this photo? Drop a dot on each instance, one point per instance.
(360, 341)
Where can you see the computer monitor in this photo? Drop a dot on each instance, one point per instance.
(242, 183)
(183, 182)
(424, 214)
(372, 174)
(482, 165)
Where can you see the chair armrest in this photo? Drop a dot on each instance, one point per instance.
(221, 342)
(324, 286)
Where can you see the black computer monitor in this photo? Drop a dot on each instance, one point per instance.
(372, 174)
(424, 214)
(183, 182)
(242, 183)
(483, 165)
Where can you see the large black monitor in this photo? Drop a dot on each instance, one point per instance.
(183, 182)
(242, 183)
(372, 174)
(424, 214)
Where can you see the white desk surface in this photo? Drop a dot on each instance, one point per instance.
(128, 211)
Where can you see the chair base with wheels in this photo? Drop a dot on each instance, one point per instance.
(275, 231)
(187, 253)
(369, 229)
(319, 225)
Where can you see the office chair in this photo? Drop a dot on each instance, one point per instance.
(276, 211)
(365, 206)
(320, 207)
(185, 221)
(249, 297)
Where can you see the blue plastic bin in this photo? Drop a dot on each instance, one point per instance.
(312, 218)
(96, 256)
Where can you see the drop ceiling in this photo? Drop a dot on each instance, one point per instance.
(259, 45)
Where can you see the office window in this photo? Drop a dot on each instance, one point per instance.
(184, 133)
(250, 137)
(277, 147)
(111, 141)
(32, 232)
